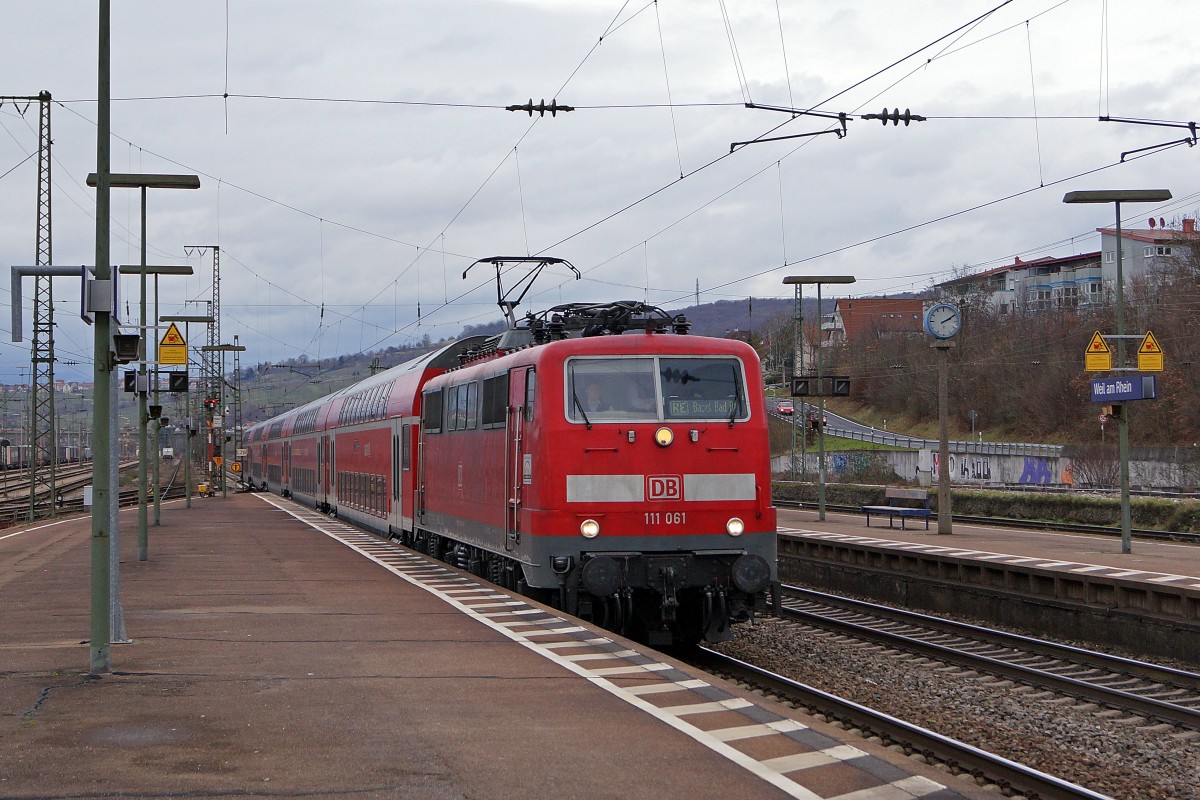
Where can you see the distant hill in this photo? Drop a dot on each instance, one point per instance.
(750, 314)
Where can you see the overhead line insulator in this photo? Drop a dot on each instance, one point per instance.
(540, 107)
(895, 117)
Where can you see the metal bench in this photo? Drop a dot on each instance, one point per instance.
(916, 504)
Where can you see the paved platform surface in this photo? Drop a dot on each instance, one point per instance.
(279, 653)
(1164, 563)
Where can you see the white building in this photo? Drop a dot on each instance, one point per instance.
(1078, 281)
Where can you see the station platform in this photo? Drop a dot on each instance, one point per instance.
(1161, 562)
(277, 652)
(1070, 585)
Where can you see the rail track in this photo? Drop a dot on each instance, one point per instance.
(16, 509)
(1149, 691)
(1158, 701)
(1026, 524)
(915, 740)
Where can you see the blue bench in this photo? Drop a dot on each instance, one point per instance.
(915, 504)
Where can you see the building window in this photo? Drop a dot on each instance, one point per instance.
(1110, 256)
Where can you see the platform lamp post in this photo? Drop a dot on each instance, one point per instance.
(187, 402)
(145, 413)
(818, 280)
(1116, 197)
(104, 501)
(222, 348)
(144, 181)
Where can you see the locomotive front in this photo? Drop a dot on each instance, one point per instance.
(659, 521)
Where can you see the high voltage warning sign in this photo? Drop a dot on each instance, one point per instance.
(1150, 355)
(172, 348)
(1098, 357)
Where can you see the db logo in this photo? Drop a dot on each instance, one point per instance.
(664, 487)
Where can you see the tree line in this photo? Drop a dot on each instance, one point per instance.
(1022, 372)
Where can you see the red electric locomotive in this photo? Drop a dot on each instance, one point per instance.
(596, 457)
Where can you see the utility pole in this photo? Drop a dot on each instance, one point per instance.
(211, 381)
(237, 403)
(103, 500)
(945, 514)
(41, 424)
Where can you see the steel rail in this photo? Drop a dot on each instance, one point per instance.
(1149, 707)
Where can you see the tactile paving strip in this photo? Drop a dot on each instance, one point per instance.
(781, 751)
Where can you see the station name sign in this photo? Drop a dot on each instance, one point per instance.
(1131, 387)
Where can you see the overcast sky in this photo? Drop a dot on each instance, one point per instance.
(363, 158)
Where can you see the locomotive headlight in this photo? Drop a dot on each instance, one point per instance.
(735, 526)
(664, 436)
(589, 528)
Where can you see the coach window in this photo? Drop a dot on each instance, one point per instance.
(431, 411)
(405, 447)
(495, 401)
(472, 390)
(459, 393)
(530, 393)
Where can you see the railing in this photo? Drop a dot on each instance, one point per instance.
(980, 448)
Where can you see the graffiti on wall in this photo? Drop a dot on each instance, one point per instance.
(851, 463)
(1037, 470)
(966, 467)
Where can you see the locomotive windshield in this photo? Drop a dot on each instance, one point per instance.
(653, 389)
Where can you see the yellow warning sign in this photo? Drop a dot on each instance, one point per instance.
(1098, 357)
(172, 354)
(172, 348)
(236, 466)
(1150, 355)
(173, 336)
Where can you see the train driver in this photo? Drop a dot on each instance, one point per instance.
(593, 399)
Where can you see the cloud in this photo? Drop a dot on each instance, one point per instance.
(381, 205)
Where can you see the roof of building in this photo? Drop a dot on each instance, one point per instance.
(877, 316)
(1019, 265)
(1157, 235)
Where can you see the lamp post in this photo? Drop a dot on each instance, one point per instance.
(222, 348)
(798, 281)
(145, 415)
(104, 500)
(144, 181)
(187, 403)
(1116, 197)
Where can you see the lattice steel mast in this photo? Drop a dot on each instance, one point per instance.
(43, 438)
(211, 378)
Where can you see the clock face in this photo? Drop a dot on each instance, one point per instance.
(942, 321)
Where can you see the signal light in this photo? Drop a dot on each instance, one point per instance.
(177, 381)
(801, 387)
(841, 387)
(130, 380)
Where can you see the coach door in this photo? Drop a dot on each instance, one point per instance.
(321, 489)
(518, 464)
